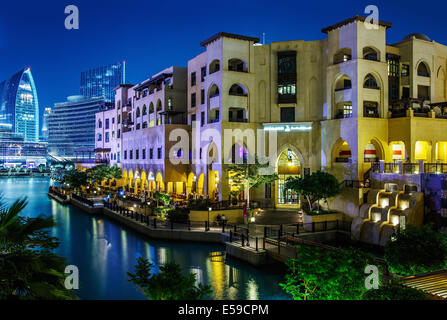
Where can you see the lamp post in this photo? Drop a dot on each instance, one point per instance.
(209, 210)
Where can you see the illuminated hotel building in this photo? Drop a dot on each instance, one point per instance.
(19, 106)
(100, 81)
(337, 104)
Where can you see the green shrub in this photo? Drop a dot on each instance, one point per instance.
(179, 215)
(417, 250)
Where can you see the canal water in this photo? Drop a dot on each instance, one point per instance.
(105, 251)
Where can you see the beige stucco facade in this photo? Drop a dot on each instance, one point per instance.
(343, 102)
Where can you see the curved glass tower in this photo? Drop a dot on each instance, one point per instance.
(19, 106)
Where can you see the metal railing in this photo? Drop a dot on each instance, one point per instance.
(56, 192)
(245, 240)
(155, 223)
(437, 168)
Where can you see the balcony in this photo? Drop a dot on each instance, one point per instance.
(237, 101)
(215, 102)
(343, 94)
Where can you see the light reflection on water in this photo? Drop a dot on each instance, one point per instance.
(104, 251)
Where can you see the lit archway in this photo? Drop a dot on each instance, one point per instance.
(373, 151)
(422, 150)
(190, 183)
(398, 151)
(159, 182)
(200, 184)
(288, 165)
(341, 152)
(441, 151)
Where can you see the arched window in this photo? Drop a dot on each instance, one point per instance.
(238, 154)
(370, 82)
(151, 108)
(423, 70)
(214, 91)
(237, 65)
(370, 54)
(343, 83)
(342, 55)
(237, 90)
(137, 113)
(214, 66)
(159, 107)
(99, 123)
(169, 103)
(144, 110)
(118, 104)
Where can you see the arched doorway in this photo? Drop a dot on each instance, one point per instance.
(341, 152)
(422, 151)
(373, 151)
(200, 184)
(398, 151)
(190, 184)
(441, 151)
(160, 186)
(130, 182)
(288, 165)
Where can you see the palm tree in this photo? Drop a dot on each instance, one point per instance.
(115, 173)
(28, 268)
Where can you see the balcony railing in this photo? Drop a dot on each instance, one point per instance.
(238, 120)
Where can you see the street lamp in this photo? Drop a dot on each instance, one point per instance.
(209, 210)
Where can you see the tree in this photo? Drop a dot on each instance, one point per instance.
(76, 179)
(416, 250)
(166, 198)
(394, 291)
(322, 274)
(168, 284)
(28, 268)
(115, 173)
(315, 187)
(249, 175)
(98, 174)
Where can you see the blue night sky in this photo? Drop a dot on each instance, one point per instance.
(152, 35)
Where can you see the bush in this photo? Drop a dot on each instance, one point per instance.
(179, 215)
(417, 250)
(394, 292)
(321, 274)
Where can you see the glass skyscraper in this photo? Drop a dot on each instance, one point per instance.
(19, 106)
(71, 126)
(101, 81)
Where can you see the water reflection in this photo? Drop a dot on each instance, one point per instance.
(104, 252)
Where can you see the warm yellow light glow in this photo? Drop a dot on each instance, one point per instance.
(421, 148)
(384, 202)
(252, 219)
(376, 217)
(395, 220)
(403, 205)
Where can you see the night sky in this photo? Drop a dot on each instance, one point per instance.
(152, 35)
